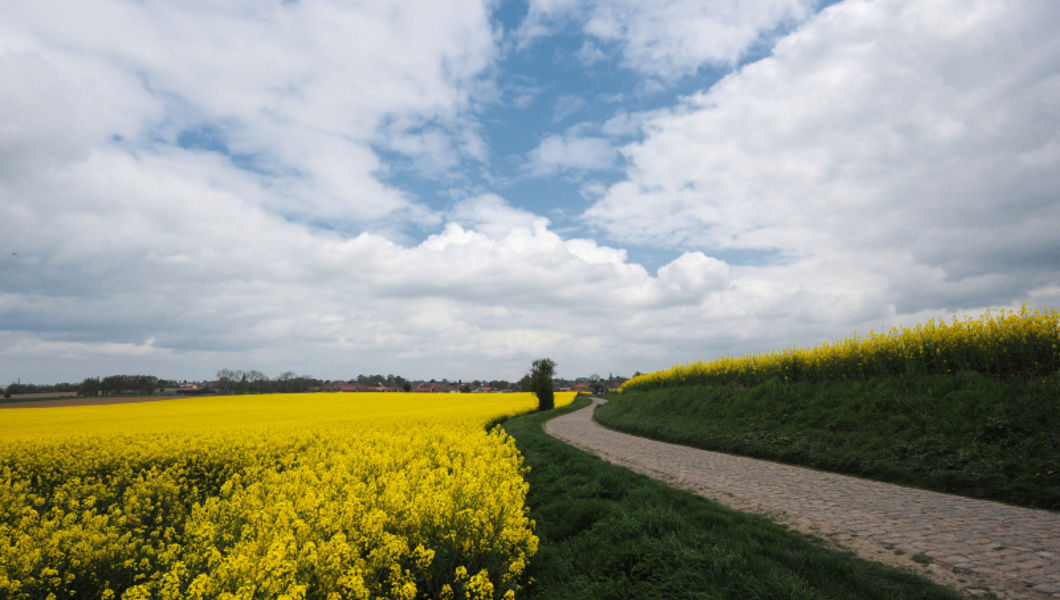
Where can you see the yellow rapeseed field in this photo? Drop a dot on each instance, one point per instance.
(1005, 344)
(271, 496)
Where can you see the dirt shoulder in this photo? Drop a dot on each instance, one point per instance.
(76, 401)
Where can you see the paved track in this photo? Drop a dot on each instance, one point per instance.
(975, 546)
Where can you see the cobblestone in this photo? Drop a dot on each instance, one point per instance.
(974, 546)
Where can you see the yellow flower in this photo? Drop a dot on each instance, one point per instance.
(286, 496)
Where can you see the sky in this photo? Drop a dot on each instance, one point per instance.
(452, 189)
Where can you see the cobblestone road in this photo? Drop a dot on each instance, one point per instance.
(975, 546)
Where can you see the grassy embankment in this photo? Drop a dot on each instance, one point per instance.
(606, 532)
(971, 407)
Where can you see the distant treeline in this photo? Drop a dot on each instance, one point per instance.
(114, 385)
(255, 382)
(29, 388)
(380, 380)
(238, 381)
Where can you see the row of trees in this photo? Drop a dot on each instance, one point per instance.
(115, 385)
(30, 388)
(255, 382)
(539, 380)
(394, 381)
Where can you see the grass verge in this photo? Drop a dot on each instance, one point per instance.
(609, 533)
(967, 434)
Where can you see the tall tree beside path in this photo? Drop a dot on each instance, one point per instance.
(541, 373)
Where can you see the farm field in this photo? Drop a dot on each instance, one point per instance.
(969, 407)
(40, 396)
(51, 401)
(1023, 343)
(265, 496)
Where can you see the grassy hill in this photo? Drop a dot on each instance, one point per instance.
(971, 407)
(967, 434)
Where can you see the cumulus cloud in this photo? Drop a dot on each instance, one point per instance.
(232, 208)
(281, 87)
(693, 274)
(146, 262)
(911, 147)
(491, 214)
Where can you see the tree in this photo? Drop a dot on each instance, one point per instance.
(225, 380)
(541, 372)
(250, 382)
(15, 388)
(285, 382)
(89, 387)
(113, 385)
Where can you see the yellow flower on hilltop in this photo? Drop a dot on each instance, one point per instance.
(1007, 344)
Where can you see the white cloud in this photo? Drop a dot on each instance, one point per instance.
(115, 250)
(692, 274)
(557, 153)
(522, 92)
(492, 215)
(900, 156)
(542, 17)
(44, 117)
(669, 39)
(675, 38)
(590, 54)
(891, 160)
(31, 346)
(566, 106)
(624, 124)
(286, 84)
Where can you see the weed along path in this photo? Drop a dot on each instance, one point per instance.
(974, 546)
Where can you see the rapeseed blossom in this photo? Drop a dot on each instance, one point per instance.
(1006, 344)
(280, 496)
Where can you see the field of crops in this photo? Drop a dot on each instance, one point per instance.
(1007, 344)
(278, 496)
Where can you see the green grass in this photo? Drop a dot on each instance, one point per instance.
(609, 533)
(967, 433)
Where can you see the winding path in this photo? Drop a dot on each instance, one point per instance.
(974, 546)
